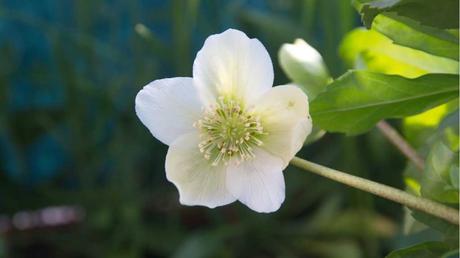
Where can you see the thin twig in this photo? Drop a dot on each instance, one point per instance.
(397, 140)
(436, 209)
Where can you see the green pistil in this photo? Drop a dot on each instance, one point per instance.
(229, 130)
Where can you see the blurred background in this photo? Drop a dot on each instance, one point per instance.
(80, 176)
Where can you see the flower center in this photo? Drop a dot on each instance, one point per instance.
(229, 130)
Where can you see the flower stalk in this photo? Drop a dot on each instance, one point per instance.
(433, 208)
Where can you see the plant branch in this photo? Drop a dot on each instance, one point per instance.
(436, 209)
(397, 140)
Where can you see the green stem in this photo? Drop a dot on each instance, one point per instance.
(436, 209)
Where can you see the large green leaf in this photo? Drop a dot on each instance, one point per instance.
(441, 14)
(409, 33)
(423, 250)
(356, 101)
(368, 49)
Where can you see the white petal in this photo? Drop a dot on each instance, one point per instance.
(198, 182)
(258, 183)
(232, 63)
(169, 107)
(285, 117)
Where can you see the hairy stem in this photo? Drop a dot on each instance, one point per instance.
(397, 140)
(436, 209)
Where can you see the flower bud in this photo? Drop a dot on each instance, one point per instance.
(304, 66)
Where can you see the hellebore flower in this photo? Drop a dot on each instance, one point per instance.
(230, 134)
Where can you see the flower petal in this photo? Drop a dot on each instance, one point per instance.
(231, 63)
(285, 117)
(258, 183)
(198, 182)
(168, 107)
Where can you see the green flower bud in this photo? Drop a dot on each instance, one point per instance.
(304, 66)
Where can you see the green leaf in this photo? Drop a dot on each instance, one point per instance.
(368, 49)
(439, 160)
(356, 101)
(450, 231)
(441, 14)
(409, 33)
(436, 136)
(441, 169)
(451, 254)
(439, 133)
(304, 66)
(423, 250)
(418, 128)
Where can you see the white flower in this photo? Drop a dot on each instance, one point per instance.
(230, 134)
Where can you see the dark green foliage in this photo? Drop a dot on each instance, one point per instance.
(423, 250)
(356, 101)
(442, 14)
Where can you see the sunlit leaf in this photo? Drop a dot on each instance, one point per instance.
(410, 33)
(413, 185)
(368, 49)
(429, 118)
(356, 101)
(419, 127)
(452, 138)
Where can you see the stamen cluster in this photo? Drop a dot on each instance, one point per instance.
(229, 130)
